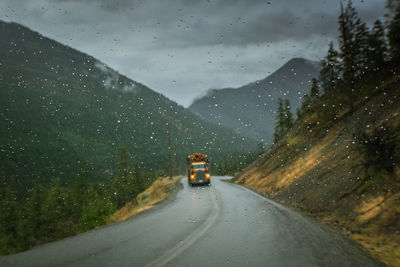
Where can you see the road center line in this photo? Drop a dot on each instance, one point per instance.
(190, 240)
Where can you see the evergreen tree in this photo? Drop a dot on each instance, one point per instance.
(138, 181)
(57, 213)
(260, 148)
(330, 72)
(124, 163)
(377, 48)
(8, 216)
(280, 118)
(394, 36)
(33, 215)
(288, 115)
(284, 119)
(309, 99)
(79, 192)
(95, 211)
(128, 182)
(122, 185)
(305, 105)
(346, 40)
(235, 166)
(314, 92)
(361, 49)
(351, 29)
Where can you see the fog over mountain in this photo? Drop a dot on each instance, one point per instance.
(64, 112)
(182, 47)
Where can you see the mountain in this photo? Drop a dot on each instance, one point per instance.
(63, 113)
(250, 109)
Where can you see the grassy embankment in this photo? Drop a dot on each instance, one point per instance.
(158, 191)
(320, 168)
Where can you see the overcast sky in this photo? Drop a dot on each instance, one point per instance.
(181, 48)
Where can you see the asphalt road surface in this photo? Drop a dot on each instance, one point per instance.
(218, 225)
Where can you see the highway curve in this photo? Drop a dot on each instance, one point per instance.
(220, 225)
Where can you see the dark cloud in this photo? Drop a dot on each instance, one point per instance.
(183, 47)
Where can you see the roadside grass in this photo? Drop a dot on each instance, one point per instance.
(277, 175)
(158, 191)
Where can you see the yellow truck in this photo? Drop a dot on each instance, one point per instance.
(198, 172)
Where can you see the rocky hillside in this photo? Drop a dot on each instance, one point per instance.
(345, 172)
(250, 109)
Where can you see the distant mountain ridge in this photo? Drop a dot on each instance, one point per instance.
(63, 112)
(250, 110)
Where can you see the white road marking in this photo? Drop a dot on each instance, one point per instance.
(191, 239)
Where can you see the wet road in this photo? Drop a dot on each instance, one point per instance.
(220, 225)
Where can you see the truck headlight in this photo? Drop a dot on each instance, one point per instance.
(192, 177)
(207, 175)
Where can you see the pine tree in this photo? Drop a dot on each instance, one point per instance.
(79, 191)
(95, 211)
(8, 216)
(361, 49)
(330, 72)
(57, 213)
(284, 119)
(288, 116)
(377, 48)
(260, 148)
(394, 37)
(349, 25)
(122, 185)
(346, 40)
(138, 181)
(280, 118)
(309, 99)
(235, 166)
(33, 215)
(314, 92)
(305, 105)
(123, 165)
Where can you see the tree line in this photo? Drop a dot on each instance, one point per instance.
(234, 163)
(364, 56)
(48, 212)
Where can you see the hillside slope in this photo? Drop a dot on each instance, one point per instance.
(322, 169)
(63, 112)
(250, 109)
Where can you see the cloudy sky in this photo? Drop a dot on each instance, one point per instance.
(181, 48)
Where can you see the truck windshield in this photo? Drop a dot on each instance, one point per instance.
(198, 166)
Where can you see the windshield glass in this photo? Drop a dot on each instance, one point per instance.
(108, 107)
(198, 166)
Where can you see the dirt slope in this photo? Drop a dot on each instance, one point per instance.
(159, 190)
(322, 171)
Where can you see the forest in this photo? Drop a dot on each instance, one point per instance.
(365, 60)
(79, 140)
